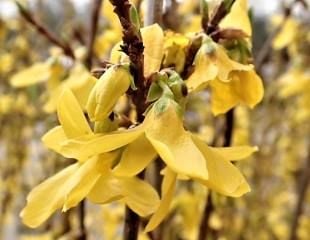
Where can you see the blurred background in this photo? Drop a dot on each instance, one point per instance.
(279, 126)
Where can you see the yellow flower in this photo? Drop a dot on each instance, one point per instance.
(295, 81)
(162, 133)
(107, 91)
(85, 178)
(79, 81)
(175, 51)
(231, 83)
(212, 62)
(39, 72)
(52, 73)
(245, 87)
(153, 41)
(287, 34)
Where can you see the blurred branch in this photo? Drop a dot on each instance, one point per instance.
(93, 31)
(265, 50)
(301, 196)
(204, 228)
(44, 31)
(154, 12)
(171, 17)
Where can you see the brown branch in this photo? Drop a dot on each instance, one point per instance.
(93, 31)
(221, 11)
(301, 196)
(265, 50)
(228, 134)
(190, 57)
(210, 27)
(44, 31)
(133, 47)
(204, 228)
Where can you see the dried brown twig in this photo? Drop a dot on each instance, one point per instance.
(44, 31)
(93, 31)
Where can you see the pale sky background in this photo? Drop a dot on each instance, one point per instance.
(261, 7)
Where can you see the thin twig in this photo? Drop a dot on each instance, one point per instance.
(265, 50)
(204, 228)
(301, 196)
(44, 31)
(219, 14)
(93, 31)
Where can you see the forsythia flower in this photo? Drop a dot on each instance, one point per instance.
(111, 85)
(231, 82)
(110, 161)
(86, 178)
(162, 133)
(52, 73)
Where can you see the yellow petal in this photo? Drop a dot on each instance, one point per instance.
(287, 34)
(244, 88)
(227, 65)
(54, 138)
(82, 88)
(167, 197)
(238, 17)
(174, 145)
(107, 189)
(71, 116)
(224, 177)
(88, 173)
(153, 41)
(37, 73)
(204, 71)
(140, 196)
(235, 153)
(209, 66)
(90, 145)
(107, 91)
(47, 197)
(250, 87)
(80, 82)
(135, 158)
(117, 56)
(293, 82)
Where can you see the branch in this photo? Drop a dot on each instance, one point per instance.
(204, 228)
(93, 31)
(44, 31)
(133, 47)
(303, 186)
(221, 11)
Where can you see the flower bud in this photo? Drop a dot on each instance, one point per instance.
(108, 89)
